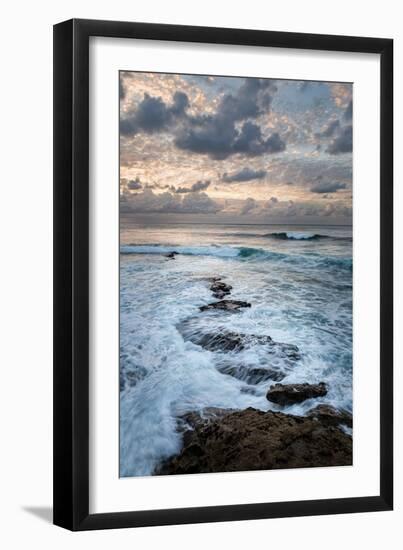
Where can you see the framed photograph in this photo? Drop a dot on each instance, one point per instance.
(223, 322)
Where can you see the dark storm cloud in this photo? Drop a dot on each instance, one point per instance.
(198, 186)
(343, 142)
(221, 140)
(246, 174)
(254, 98)
(153, 115)
(328, 187)
(220, 135)
(226, 132)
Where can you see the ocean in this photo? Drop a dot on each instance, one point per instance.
(298, 280)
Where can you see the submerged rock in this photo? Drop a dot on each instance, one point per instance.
(218, 341)
(226, 305)
(229, 441)
(329, 415)
(288, 394)
(222, 339)
(252, 374)
(225, 340)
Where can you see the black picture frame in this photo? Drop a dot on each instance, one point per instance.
(71, 274)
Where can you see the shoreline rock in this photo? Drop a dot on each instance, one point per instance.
(288, 394)
(229, 441)
(331, 416)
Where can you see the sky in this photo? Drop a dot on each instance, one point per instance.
(211, 149)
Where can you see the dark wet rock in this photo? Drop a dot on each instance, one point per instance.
(192, 419)
(225, 305)
(218, 341)
(220, 294)
(230, 441)
(220, 289)
(251, 374)
(171, 255)
(222, 339)
(331, 416)
(288, 394)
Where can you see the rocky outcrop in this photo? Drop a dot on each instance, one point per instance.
(331, 416)
(225, 305)
(220, 289)
(288, 394)
(251, 374)
(222, 339)
(229, 441)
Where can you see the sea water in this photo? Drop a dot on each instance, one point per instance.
(298, 280)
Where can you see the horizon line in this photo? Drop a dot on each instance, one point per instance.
(235, 223)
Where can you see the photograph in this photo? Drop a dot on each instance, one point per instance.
(236, 273)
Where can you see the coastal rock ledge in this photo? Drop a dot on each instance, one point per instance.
(288, 394)
(230, 441)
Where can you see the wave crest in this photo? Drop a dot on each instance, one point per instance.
(242, 253)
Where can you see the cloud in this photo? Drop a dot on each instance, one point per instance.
(343, 142)
(199, 203)
(341, 93)
(198, 186)
(229, 131)
(134, 184)
(253, 98)
(150, 202)
(328, 187)
(249, 204)
(219, 141)
(122, 89)
(153, 115)
(348, 113)
(291, 209)
(246, 174)
(329, 130)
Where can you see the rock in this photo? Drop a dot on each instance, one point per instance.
(220, 294)
(331, 416)
(222, 339)
(220, 289)
(226, 305)
(218, 341)
(230, 441)
(171, 255)
(252, 374)
(288, 394)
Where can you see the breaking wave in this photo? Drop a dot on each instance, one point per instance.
(239, 253)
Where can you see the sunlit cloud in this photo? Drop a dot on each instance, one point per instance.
(221, 146)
